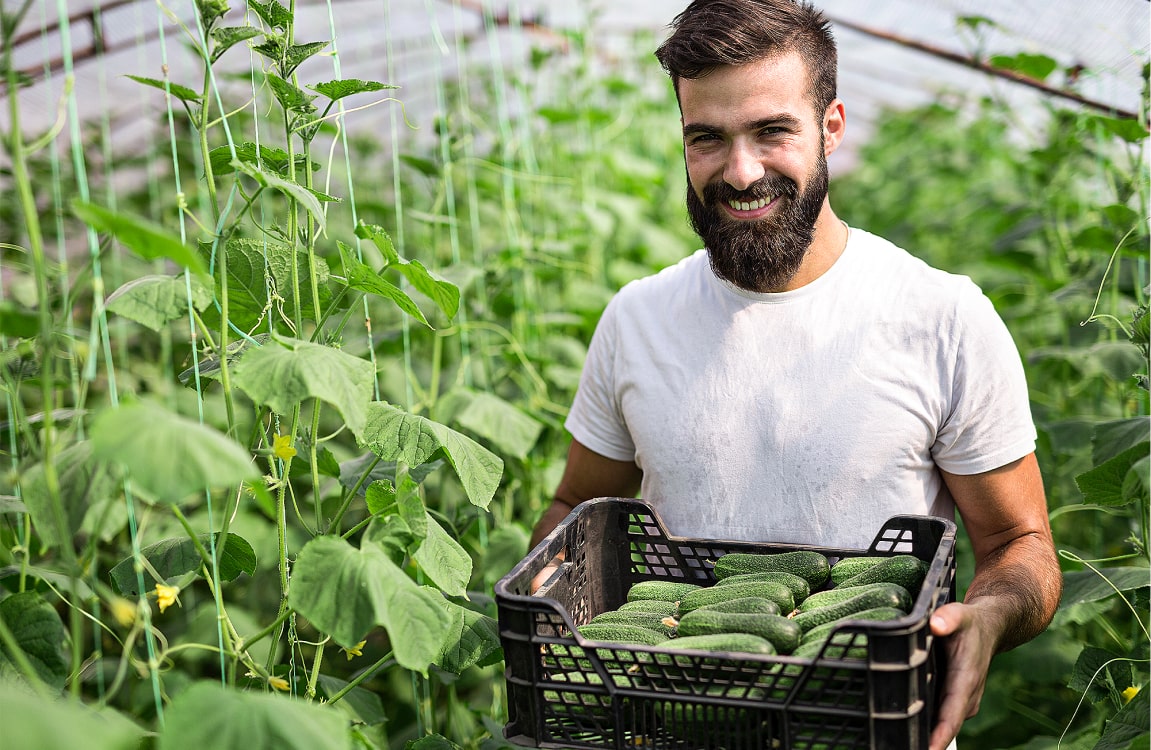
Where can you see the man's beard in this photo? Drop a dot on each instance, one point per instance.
(761, 255)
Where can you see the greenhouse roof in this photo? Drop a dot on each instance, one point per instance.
(893, 53)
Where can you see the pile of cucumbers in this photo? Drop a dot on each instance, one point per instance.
(764, 604)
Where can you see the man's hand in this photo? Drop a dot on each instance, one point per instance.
(971, 640)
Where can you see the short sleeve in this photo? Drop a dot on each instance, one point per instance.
(989, 422)
(596, 419)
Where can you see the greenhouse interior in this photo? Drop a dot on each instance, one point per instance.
(297, 296)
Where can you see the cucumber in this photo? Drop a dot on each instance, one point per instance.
(743, 643)
(809, 565)
(745, 604)
(619, 633)
(877, 614)
(800, 588)
(783, 633)
(906, 570)
(880, 597)
(667, 591)
(771, 590)
(648, 620)
(849, 566)
(812, 649)
(838, 594)
(651, 606)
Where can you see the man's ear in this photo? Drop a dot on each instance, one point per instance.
(834, 125)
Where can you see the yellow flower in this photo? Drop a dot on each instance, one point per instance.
(166, 596)
(279, 683)
(1130, 693)
(282, 447)
(357, 650)
(123, 611)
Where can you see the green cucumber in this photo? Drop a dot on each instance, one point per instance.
(906, 570)
(619, 633)
(771, 590)
(838, 594)
(745, 604)
(809, 565)
(667, 591)
(741, 643)
(850, 566)
(648, 620)
(783, 633)
(651, 606)
(894, 596)
(800, 588)
(877, 614)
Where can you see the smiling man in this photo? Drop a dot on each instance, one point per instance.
(797, 380)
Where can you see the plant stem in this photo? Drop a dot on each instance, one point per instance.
(385, 660)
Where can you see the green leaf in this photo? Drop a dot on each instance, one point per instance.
(345, 592)
(168, 457)
(363, 279)
(227, 37)
(175, 557)
(1088, 586)
(183, 93)
(291, 97)
(494, 419)
(392, 535)
(1112, 438)
(146, 239)
(396, 435)
(210, 715)
(362, 706)
(426, 167)
(472, 637)
(297, 53)
(443, 560)
(32, 722)
(210, 366)
(444, 294)
(268, 157)
(431, 742)
(1104, 484)
(1131, 722)
(18, 322)
(1137, 483)
(39, 632)
(155, 300)
(411, 508)
(286, 371)
(380, 496)
(83, 483)
(293, 190)
(1129, 130)
(339, 89)
(1100, 674)
(272, 13)
(1032, 66)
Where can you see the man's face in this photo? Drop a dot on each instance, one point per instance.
(757, 169)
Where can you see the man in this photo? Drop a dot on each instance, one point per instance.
(800, 381)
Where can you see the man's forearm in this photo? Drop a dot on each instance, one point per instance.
(551, 518)
(1024, 582)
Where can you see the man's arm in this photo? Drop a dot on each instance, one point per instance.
(1014, 592)
(587, 475)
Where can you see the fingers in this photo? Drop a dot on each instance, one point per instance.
(968, 656)
(947, 619)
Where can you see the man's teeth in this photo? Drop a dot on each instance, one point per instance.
(745, 206)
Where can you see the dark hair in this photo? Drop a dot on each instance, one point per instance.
(711, 33)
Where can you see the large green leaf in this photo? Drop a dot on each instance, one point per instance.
(145, 238)
(394, 434)
(444, 294)
(284, 372)
(168, 457)
(473, 638)
(362, 706)
(272, 13)
(34, 723)
(226, 37)
(443, 559)
(83, 483)
(154, 301)
(1088, 586)
(494, 419)
(297, 53)
(177, 556)
(260, 273)
(339, 89)
(1131, 722)
(1112, 438)
(208, 715)
(1104, 485)
(293, 190)
(39, 633)
(1100, 674)
(183, 93)
(269, 157)
(346, 592)
(361, 277)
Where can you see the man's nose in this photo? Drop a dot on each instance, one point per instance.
(743, 168)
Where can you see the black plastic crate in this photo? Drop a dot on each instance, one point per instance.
(567, 692)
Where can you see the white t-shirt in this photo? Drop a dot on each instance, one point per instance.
(809, 416)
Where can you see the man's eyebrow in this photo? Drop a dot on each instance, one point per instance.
(782, 120)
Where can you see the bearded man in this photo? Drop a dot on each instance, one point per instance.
(801, 381)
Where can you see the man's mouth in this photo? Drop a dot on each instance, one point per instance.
(749, 209)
